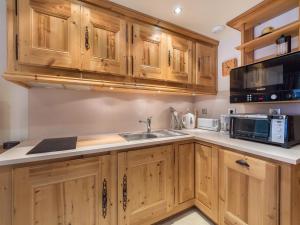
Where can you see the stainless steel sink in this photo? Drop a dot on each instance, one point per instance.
(139, 136)
(155, 134)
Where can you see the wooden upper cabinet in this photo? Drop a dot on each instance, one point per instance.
(146, 184)
(103, 42)
(73, 192)
(206, 177)
(149, 52)
(206, 66)
(249, 190)
(180, 59)
(49, 33)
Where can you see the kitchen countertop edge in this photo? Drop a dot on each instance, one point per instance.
(19, 155)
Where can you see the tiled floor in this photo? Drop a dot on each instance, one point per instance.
(191, 217)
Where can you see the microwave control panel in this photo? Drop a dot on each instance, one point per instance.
(278, 130)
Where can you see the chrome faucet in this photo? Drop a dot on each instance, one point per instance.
(148, 123)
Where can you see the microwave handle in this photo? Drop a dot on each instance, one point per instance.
(231, 127)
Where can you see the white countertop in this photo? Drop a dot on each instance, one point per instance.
(113, 142)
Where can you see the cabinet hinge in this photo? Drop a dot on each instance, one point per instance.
(17, 47)
(16, 7)
(127, 66)
(174, 194)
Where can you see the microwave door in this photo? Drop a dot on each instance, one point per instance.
(254, 129)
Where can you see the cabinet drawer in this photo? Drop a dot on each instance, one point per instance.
(247, 165)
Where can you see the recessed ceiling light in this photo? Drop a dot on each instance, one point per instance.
(218, 29)
(178, 10)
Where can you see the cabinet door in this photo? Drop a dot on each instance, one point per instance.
(206, 66)
(103, 42)
(74, 192)
(180, 59)
(149, 52)
(146, 186)
(49, 33)
(206, 176)
(249, 190)
(186, 172)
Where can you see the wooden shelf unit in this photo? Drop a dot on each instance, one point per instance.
(262, 12)
(263, 41)
(246, 23)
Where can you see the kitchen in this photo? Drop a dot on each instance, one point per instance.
(134, 113)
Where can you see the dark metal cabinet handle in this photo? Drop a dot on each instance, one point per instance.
(125, 192)
(104, 198)
(243, 163)
(132, 34)
(199, 64)
(87, 41)
(169, 60)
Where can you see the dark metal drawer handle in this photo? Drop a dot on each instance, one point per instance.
(104, 198)
(125, 192)
(243, 163)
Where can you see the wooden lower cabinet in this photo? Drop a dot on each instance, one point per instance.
(145, 184)
(186, 172)
(249, 190)
(77, 192)
(206, 180)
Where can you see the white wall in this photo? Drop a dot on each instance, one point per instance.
(229, 39)
(13, 99)
(65, 112)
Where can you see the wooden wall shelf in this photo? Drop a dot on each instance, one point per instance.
(290, 29)
(246, 23)
(262, 12)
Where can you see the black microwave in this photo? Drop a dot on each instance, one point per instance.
(277, 79)
(282, 130)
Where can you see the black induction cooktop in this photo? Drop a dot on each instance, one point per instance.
(54, 145)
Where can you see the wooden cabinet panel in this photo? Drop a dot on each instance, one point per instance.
(186, 172)
(206, 66)
(249, 190)
(180, 59)
(49, 33)
(64, 193)
(206, 177)
(103, 42)
(149, 52)
(146, 184)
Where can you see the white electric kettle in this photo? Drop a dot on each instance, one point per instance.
(189, 121)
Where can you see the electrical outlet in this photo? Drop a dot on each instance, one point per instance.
(274, 111)
(204, 111)
(231, 111)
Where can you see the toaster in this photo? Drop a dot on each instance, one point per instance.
(208, 124)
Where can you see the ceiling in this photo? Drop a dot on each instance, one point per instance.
(198, 15)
